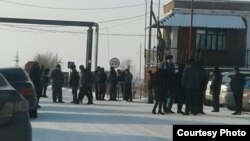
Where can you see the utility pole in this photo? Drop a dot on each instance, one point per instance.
(149, 34)
(140, 74)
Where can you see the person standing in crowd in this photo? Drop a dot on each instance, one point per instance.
(102, 79)
(97, 96)
(237, 84)
(74, 82)
(179, 90)
(169, 88)
(150, 87)
(87, 85)
(191, 82)
(215, 89)
(121, 77)
(128, 85)
(158, 83)
(57, 78)
(203, 87)
(112, 84)
(45, 81)
(81, 91)
(35, 76)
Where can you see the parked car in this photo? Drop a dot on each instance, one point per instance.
(229, 98)
(14, 114)
(226, 78)
(20, 80)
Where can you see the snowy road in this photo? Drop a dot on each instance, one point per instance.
(112, 121)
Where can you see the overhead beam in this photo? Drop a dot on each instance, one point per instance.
(47, 22)
(59, 22)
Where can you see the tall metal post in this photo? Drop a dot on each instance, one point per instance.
(96, 46)
(145, 36)
(149, 33)
(89, 47)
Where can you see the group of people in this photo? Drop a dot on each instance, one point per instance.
(85, 80)
(187, 87)
(82, 81)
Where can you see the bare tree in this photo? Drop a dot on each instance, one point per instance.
(48, 60)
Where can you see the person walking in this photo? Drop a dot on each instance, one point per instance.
(57, 78)
(237, 84)
(215, 89)
(74, 82)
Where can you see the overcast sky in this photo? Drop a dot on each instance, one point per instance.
(28, 40)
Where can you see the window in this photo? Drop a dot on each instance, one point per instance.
(211, 39)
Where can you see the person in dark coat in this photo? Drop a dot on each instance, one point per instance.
(169, 82)
(112, 84)
(203, 87)
(102, 80)
(158, 86)
(57, 78)
(74, 82)
(237, 84)
(191, 82)
(179, 90)
(215, 89)
(45, 81)
(97, 94)
(87, 84)
(35, 76)
(121, 76)
(128, 85)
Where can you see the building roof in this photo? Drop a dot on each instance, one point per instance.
(201, 20)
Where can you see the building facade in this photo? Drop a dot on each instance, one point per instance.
(214, 32)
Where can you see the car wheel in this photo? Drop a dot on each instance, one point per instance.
(33, 113)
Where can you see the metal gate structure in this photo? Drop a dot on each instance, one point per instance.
(65, 23)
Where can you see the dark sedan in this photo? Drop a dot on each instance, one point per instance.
(14, 114)
(20, 80)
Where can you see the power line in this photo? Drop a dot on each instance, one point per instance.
(64, 8)
(120, 24)
(70, 32)
(122, 19)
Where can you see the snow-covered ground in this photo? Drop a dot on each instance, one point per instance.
(115, 120)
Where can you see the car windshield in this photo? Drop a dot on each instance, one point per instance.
(2, 81)
(14, 75)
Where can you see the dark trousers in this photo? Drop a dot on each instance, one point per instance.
(74, 93)
(158, 103)
(238, 96)
(44, 90)
(191, 101)
(216, 100)
(85, 91)
(57, 93)
(128, 92)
